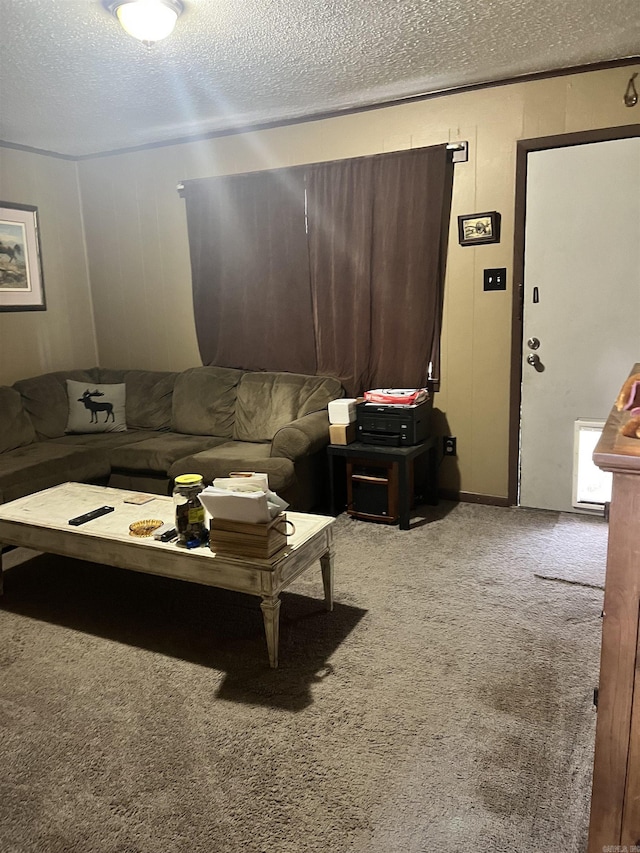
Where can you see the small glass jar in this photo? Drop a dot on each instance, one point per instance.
(190, 516)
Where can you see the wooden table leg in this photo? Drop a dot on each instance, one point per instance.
(271, 614)
(326, 564)
(404, 496)
(337, 484)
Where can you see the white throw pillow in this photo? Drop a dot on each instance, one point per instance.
(96, 408)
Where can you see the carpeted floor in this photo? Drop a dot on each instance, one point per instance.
(445, 705)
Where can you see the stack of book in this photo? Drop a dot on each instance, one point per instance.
(246, 539)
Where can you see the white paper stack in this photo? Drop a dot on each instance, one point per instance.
(243, 482)
(246, 498)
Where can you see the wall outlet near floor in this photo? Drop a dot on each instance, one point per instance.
(449, 445)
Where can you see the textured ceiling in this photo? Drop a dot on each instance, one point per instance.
(71, 80)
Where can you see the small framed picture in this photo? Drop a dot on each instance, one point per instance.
(476, 228)
(21, 281)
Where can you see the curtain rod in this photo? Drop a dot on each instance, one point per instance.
(460, 151)
(459, 154)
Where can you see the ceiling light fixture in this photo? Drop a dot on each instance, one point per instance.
(147, 20)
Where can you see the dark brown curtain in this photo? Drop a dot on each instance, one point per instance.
(377, 250)
(250, 271)
(357, 296)
(340, 212)
(412, 190)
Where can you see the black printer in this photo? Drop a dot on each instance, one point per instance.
(393, 425)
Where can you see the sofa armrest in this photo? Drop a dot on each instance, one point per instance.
(302, 437)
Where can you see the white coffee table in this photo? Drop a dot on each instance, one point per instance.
(41, 521)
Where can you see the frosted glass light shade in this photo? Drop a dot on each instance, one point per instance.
(148, 20)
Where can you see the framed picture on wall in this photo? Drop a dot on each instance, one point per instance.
(476, 228)
(21, 280)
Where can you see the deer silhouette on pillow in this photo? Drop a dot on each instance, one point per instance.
(94, 407)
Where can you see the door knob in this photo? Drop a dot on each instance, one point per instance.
(533, 359)
(533, 343)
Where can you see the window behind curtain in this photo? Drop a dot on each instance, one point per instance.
(357, 296)
(340, 212)
(250, 271)
(377, 263)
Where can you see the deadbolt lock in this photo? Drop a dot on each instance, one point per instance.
(533, 343)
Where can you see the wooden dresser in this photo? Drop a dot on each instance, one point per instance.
(615, 802)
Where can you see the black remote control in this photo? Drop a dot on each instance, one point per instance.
(89, 516)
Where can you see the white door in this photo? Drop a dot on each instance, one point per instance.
(581, 302)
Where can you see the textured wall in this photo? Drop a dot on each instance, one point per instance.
(138, 249)
(33, 342)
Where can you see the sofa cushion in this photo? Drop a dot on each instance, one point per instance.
(96, 408)
(44, 398)
(237, 456)
(43, 464)
(160, 452)
(268, 401)
(149, 396)
(105, 440)
(204, 401)
(16, 429)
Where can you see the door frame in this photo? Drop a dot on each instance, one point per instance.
(524, 147)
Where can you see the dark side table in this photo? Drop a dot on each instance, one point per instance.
(379, 483)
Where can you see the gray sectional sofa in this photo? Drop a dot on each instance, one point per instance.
(207, 420)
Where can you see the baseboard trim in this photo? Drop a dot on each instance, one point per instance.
(473, 498)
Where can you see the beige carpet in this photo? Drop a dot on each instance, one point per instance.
(445, 705)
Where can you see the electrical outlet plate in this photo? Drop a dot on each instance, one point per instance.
(449, 445)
